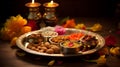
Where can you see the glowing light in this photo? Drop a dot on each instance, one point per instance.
(50, 4)
(33, 1)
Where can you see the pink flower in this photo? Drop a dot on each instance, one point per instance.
(60, 30)
(110, 41)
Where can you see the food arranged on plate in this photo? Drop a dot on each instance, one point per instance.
(69, 47)
(58, 39)
(72, 43)
(45, 47)
(76, 36)
(88, 42)
(34, 38)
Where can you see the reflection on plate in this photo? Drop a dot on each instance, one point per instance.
(23, 45)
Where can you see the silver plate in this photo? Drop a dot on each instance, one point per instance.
(68, 31)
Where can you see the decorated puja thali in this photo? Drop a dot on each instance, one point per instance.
(48, 42)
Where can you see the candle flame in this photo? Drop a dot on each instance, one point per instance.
(33, 1)
(51, 2)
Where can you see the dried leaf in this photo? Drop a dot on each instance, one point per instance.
(51, 62)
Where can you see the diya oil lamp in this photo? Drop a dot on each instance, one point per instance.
(33, 10)
(49, 17)
(34, 13)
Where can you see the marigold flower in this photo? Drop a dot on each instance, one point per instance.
(101, 60)
(70, 23)
(7, 34)
(12, 27)
(13, 41)
(15, 23)
(115, 51)
(25, 29)
(80, 26)
(96, 27)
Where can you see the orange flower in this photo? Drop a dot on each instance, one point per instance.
(12, 27)
(101, 60)
(21, 20)
(13, 41)
(96, 27)
(15, 23)
(70, 24)
(25, 29)
(7, 34)
(115, 51)
(80, 26)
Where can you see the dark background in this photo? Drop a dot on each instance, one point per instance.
(72, 8)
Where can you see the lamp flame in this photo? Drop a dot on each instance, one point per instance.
(51, 2)
(33, 1)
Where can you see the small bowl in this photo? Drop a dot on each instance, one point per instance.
(49, 34)
(50, 40)
(68, 47)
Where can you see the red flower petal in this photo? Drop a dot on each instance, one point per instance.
(110, 40)
(32, 24)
